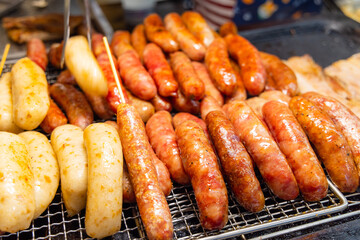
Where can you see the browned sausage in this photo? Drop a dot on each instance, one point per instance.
(190, 84)
(188, 42)
(179, 118)
(161, 103)
(66, 77)
(97, 44)
(270, 84)
(100, 106)
(210, 89)
(144, 108)
(135, 77)
(345, 120)
(294, 144)
(207, 105)
(153, 208)
(162, 138)
(54, 55)
(236, 162)
(240, 92)
(218, 64)
(200, 163)
(329, 143)
(182, 104)
(54, 118)
(283, 76)
(74, 103)
(155, 32)
(36, 51)
(138, 39)
(228, 28)
(160, 70)
(198, 26)
(276, 95)
(113, 96)
(270, 161)
(253, 71)
(120, 43)
(256, 104)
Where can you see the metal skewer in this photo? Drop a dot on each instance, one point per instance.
(88, 21)
(66, 30)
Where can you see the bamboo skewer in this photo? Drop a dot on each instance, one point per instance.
(4, 56)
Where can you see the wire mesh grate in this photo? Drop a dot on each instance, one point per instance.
(55, 224)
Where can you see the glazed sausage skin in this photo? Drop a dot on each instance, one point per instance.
(54, 55)
(97, 44)
(198, 26)
(236, 162)
(207, 105)
(228, 28)
(240, 92)
(283, 76)
(160, 70)
(344, 119)
(270, 161)
(329, 144)
(277, 96)
(100, 106)
(74, 104)
(182, 104)
(36, 51)
(162, 138)
(188, 42)
(200, 163)
(190, 84)
(54, 118)
(253, 71)
(218, 64)
(136, 78)
(138, 39)
(154, 210)
(294, 144)
(66, 77)
(156, 32)
(120, 43)
(161, 103)
(144, 108)
(181, 117)
(210, 89)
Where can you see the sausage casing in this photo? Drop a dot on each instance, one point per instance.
(68, 145)
(198, 26)
(154, 210)
(54, 118)
(200, 163)
(182, 104)
(236, 162)
(270, 161)
(17, 184)
(45, 169)
(329, 144)
(228, 28)
(294, 144)
(105, 168)
(207, 105)
(36, 51)
(138, 39)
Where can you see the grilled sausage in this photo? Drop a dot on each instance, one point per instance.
(294, 144)
(6, 105)
(182, 104)
(100, 106)
(74, 104)
(198, 26)
(162, 138)
(236, 162)
(187, 41)
(210, 89)
(240, 92)
(253, 72)
(120, 43)
(53, 119)
(66, 77)
(181, 117)
(105, 168)
(344, 119)
(17, 184)
(283, 76)
(156, 32)
(160, 70)
(54, 55)
(135, 77)
(228, 28)
(207, 105)
(263, 149)
(144, 108)
(97, 44)
(218, 64)
(45, 169)
(190, 84)
(256, 104)
(161, 103)
(83, 65)
(154, 210)
(36, 51)
(200, 163)
(276, 95)
(30, 94)
(138, 39)
(329, 144)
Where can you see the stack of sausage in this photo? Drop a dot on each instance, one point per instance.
(271, 130)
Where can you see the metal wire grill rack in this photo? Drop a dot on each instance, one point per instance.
(55, 224)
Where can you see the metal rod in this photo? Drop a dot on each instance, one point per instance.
(66, 30)
(88, 21)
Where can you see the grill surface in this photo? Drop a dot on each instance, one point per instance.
(284, 41)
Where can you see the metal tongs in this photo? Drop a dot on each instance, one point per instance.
(67, 26)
